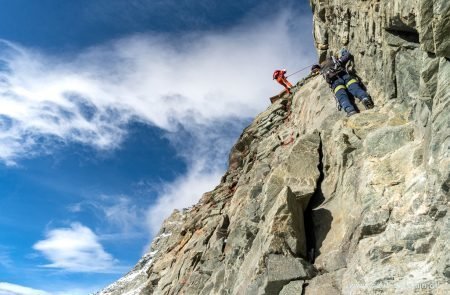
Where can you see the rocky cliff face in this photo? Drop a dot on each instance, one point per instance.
(317, 203)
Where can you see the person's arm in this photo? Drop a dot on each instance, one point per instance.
(345, 57)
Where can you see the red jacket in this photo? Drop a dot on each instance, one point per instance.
(278, 73)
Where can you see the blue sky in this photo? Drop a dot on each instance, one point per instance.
(113, 113)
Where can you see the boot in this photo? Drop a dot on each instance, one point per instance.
(351, 113)
(367, 102)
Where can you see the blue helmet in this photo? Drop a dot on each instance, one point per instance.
(343, 51)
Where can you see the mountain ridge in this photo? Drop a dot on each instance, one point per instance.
(317, 203)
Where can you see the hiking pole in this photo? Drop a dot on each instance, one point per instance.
(302, 69)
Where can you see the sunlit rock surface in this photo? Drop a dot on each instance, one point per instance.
(319, 203)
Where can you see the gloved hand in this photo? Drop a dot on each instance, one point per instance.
(337, 64)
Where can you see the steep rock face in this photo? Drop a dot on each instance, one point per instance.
(318, 203)
(393, 238)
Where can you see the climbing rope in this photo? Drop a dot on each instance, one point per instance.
(302, 69)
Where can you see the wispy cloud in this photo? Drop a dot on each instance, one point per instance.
(121, 214)
(76, 249)
(182, 193)
(90, 98)
(199, 88)
(5, 258)
(273, 43)
(13, 289)
(206, 150)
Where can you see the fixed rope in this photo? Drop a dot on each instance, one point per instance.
(302, 69)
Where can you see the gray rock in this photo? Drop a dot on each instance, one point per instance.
(374, 222)
(283, 269)
(388, 139)
(328, 283)
(293, 288)
(366, 198)
(407, 62)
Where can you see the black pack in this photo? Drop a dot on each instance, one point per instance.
(329, 70)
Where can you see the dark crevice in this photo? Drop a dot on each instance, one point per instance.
(310, 235)
(222, 232)
(304, 288)
(408, 36)
(316, 199)
(208, 237)
(196, 259)
(446, 185)
(223, 246)
(316, 232)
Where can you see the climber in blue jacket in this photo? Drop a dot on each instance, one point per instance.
(335, 73)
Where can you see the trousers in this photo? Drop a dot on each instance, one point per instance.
(343, 83)
(285, 83)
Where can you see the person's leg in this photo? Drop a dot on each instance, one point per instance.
(281, 81)
(342, 97)
(353, 87)
(356, 90)
(288, 89)
(287, 83)
(344, 102)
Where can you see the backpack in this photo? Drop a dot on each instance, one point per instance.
(329, 69)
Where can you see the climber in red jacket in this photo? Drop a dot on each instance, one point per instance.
(279, 75)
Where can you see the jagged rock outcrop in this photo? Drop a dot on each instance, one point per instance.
(317, 203)
(392, 223)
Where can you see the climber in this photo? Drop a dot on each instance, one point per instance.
(336, 74)
(279, 75)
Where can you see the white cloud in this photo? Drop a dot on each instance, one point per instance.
(76, 249)
(167, 82)
(120, 213)
(182, 193)
(13, 289)
(123, 213)
(206, 150)
(196, 87)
